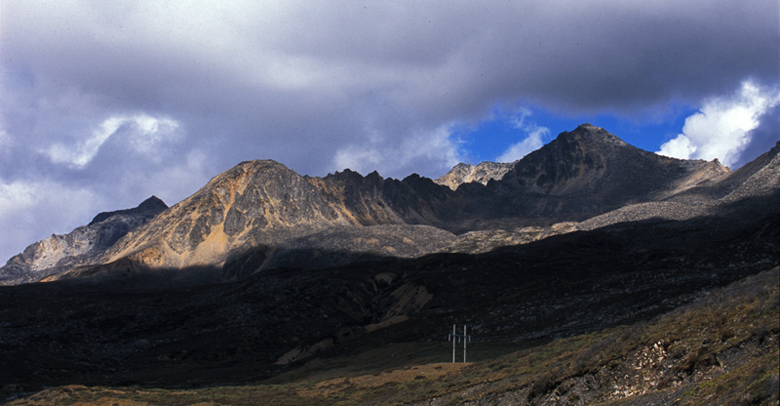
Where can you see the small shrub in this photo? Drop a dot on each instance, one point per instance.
(589, 359)
(726, 333)
(544, 384)
(688, 364)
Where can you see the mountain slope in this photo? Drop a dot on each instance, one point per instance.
(591, 161)
(720, 349)
(750, 192)
(264, 205)
(81, 246)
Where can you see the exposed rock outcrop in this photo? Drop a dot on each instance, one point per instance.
(263, 204)
(481, 173)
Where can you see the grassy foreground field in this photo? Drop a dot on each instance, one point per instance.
(721, 349)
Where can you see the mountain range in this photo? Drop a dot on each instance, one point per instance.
(260, 214)
(263, 273)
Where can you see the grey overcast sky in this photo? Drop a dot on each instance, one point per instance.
(104, 103)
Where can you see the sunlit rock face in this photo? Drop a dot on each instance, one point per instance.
(481, 173)
(264, 211)
(264, 206)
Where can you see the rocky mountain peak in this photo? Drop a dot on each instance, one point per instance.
(152, 205)
(584, 147)
(259, 203)
(248, 172)
(589, 137)
(590, 167)
(573, 162)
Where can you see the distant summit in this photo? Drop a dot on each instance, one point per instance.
(151, 205)
(600, 167)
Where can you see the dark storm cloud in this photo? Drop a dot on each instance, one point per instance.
(763, 138)
(321, 85)
(321, 73)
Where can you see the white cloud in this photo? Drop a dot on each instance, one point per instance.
(151, 132)
(81, 153)
(357, 158)
(145, 133)
(722, 128)
(535, 136)
(426, 153)
(15, 197)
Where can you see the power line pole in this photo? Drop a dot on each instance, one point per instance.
(455, 337)
(452, 338)
(466, 339)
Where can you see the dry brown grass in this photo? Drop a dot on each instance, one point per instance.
(419, 372)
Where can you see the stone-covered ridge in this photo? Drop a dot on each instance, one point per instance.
(265, 204)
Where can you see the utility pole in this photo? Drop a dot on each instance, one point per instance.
(466, 339)
(455, 337)
(452, 338)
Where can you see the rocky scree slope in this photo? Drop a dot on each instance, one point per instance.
(750, 192)
(84, 245)
(720, 349)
